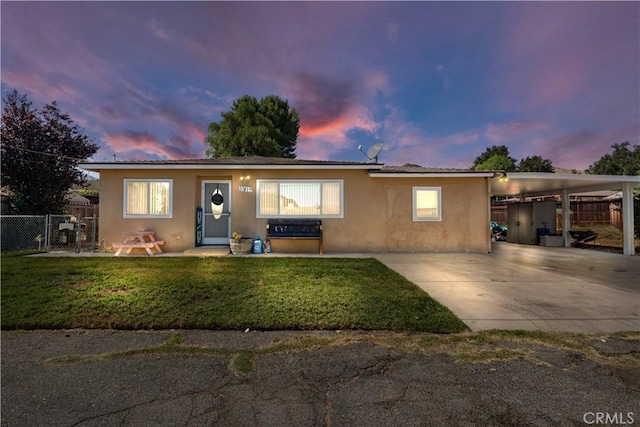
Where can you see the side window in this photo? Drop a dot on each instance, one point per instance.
(427, 204)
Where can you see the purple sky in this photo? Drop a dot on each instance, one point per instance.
(436, 82)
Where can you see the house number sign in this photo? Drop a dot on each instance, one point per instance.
(245, 189)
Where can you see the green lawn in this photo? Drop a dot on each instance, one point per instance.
(215, 293)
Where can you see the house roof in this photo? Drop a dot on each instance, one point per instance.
(251, 162)
(413, 171)
(257, 162)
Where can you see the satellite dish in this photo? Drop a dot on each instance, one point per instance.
(373, 151)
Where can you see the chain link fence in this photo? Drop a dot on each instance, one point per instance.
(48, 232)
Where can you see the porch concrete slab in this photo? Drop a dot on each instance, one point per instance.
(530, 287)
(208, 251)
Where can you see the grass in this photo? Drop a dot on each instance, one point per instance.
(477, 348)
(215, 293)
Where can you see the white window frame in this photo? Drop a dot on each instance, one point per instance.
(259, 182)
(417, 217)
(125, 198)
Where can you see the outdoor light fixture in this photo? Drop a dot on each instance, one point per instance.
(502, 177)
(245, 184)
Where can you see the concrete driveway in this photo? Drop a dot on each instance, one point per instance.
(531, 287)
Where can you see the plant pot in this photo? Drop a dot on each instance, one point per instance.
(242, 246)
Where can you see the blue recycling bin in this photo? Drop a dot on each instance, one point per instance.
(258, 246)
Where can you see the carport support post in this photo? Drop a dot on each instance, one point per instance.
(628, 247)
(566, 217)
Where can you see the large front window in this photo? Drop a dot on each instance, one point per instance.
(318, 199)
(148, 198)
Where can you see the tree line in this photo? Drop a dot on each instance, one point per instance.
(624, 160)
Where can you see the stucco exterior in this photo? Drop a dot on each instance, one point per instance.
(377, 215)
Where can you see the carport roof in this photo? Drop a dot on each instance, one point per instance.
(531, 184)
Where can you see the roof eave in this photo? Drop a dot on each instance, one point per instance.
(97, 167)
(431, 175)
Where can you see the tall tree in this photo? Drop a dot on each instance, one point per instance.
(41, 150)
(268, 127)
(535, 164)
(623, 161)
(497, 162)
(503, 157)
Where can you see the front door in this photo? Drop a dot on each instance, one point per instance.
(216, 206)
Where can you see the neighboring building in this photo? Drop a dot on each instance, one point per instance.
(364, 207)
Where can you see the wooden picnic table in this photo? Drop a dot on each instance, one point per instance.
(139, 239)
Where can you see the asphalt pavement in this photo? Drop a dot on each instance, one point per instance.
(330, 378)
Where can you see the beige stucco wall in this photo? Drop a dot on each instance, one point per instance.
(377, 211)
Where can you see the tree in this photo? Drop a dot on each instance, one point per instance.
(495, 150)
(268, 127)
(41, 150)
(535, 164)
(622, 161)
(497, 162)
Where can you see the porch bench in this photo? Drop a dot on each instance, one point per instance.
(295, 229)
(132, 245)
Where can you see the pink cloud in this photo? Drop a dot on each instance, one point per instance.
(126, 142)
(407, 143)
(555, 51)
(37, 84)
(327, 138)
(375, 81)
(462, 138)
(158, 30)
(499, 133)
(579, 149)
(131, 145)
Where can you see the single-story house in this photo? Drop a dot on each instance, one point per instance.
(364, 207)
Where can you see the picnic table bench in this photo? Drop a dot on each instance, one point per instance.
(139, 239)
(302, 229)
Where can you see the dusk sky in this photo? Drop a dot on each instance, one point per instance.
(436, 82)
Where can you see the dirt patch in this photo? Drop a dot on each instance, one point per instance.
(609, 238)
(614, 346)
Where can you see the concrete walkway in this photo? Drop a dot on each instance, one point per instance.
(531, 287)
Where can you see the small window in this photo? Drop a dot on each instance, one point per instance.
(148, 198)
(427, 204)
(317, 199)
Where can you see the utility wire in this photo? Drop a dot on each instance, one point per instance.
(41, 152)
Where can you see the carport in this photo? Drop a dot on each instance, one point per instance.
(525, 185)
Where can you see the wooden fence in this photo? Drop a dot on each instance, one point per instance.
(583, 214)
(82, 210)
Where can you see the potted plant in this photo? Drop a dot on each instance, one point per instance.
(239, 245)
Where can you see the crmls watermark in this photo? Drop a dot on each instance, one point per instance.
(609, 418)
